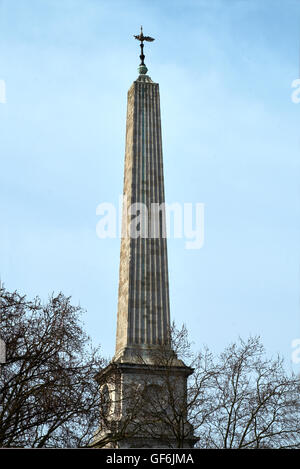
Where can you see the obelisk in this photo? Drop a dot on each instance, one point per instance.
(135, 373)
(143, 306)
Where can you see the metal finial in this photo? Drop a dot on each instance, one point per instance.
(142, 68)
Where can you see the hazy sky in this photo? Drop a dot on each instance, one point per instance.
(230, 141)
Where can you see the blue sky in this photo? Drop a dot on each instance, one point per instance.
(230, 141)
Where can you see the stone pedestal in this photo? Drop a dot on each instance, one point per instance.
(146, 407)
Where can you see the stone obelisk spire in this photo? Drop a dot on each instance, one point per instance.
(143, 306)
(144, 369)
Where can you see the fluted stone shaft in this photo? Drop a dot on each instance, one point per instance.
(143, 305)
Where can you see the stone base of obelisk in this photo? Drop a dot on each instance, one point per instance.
(140, 396)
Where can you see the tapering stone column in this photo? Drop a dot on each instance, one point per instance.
(143, 307)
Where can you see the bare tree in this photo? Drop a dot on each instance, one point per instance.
(48, 395)
(179, 404)
(241, 399)
(256, 402)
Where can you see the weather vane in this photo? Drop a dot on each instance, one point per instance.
(142, 68)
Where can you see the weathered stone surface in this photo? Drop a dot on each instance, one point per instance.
(2, 351)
